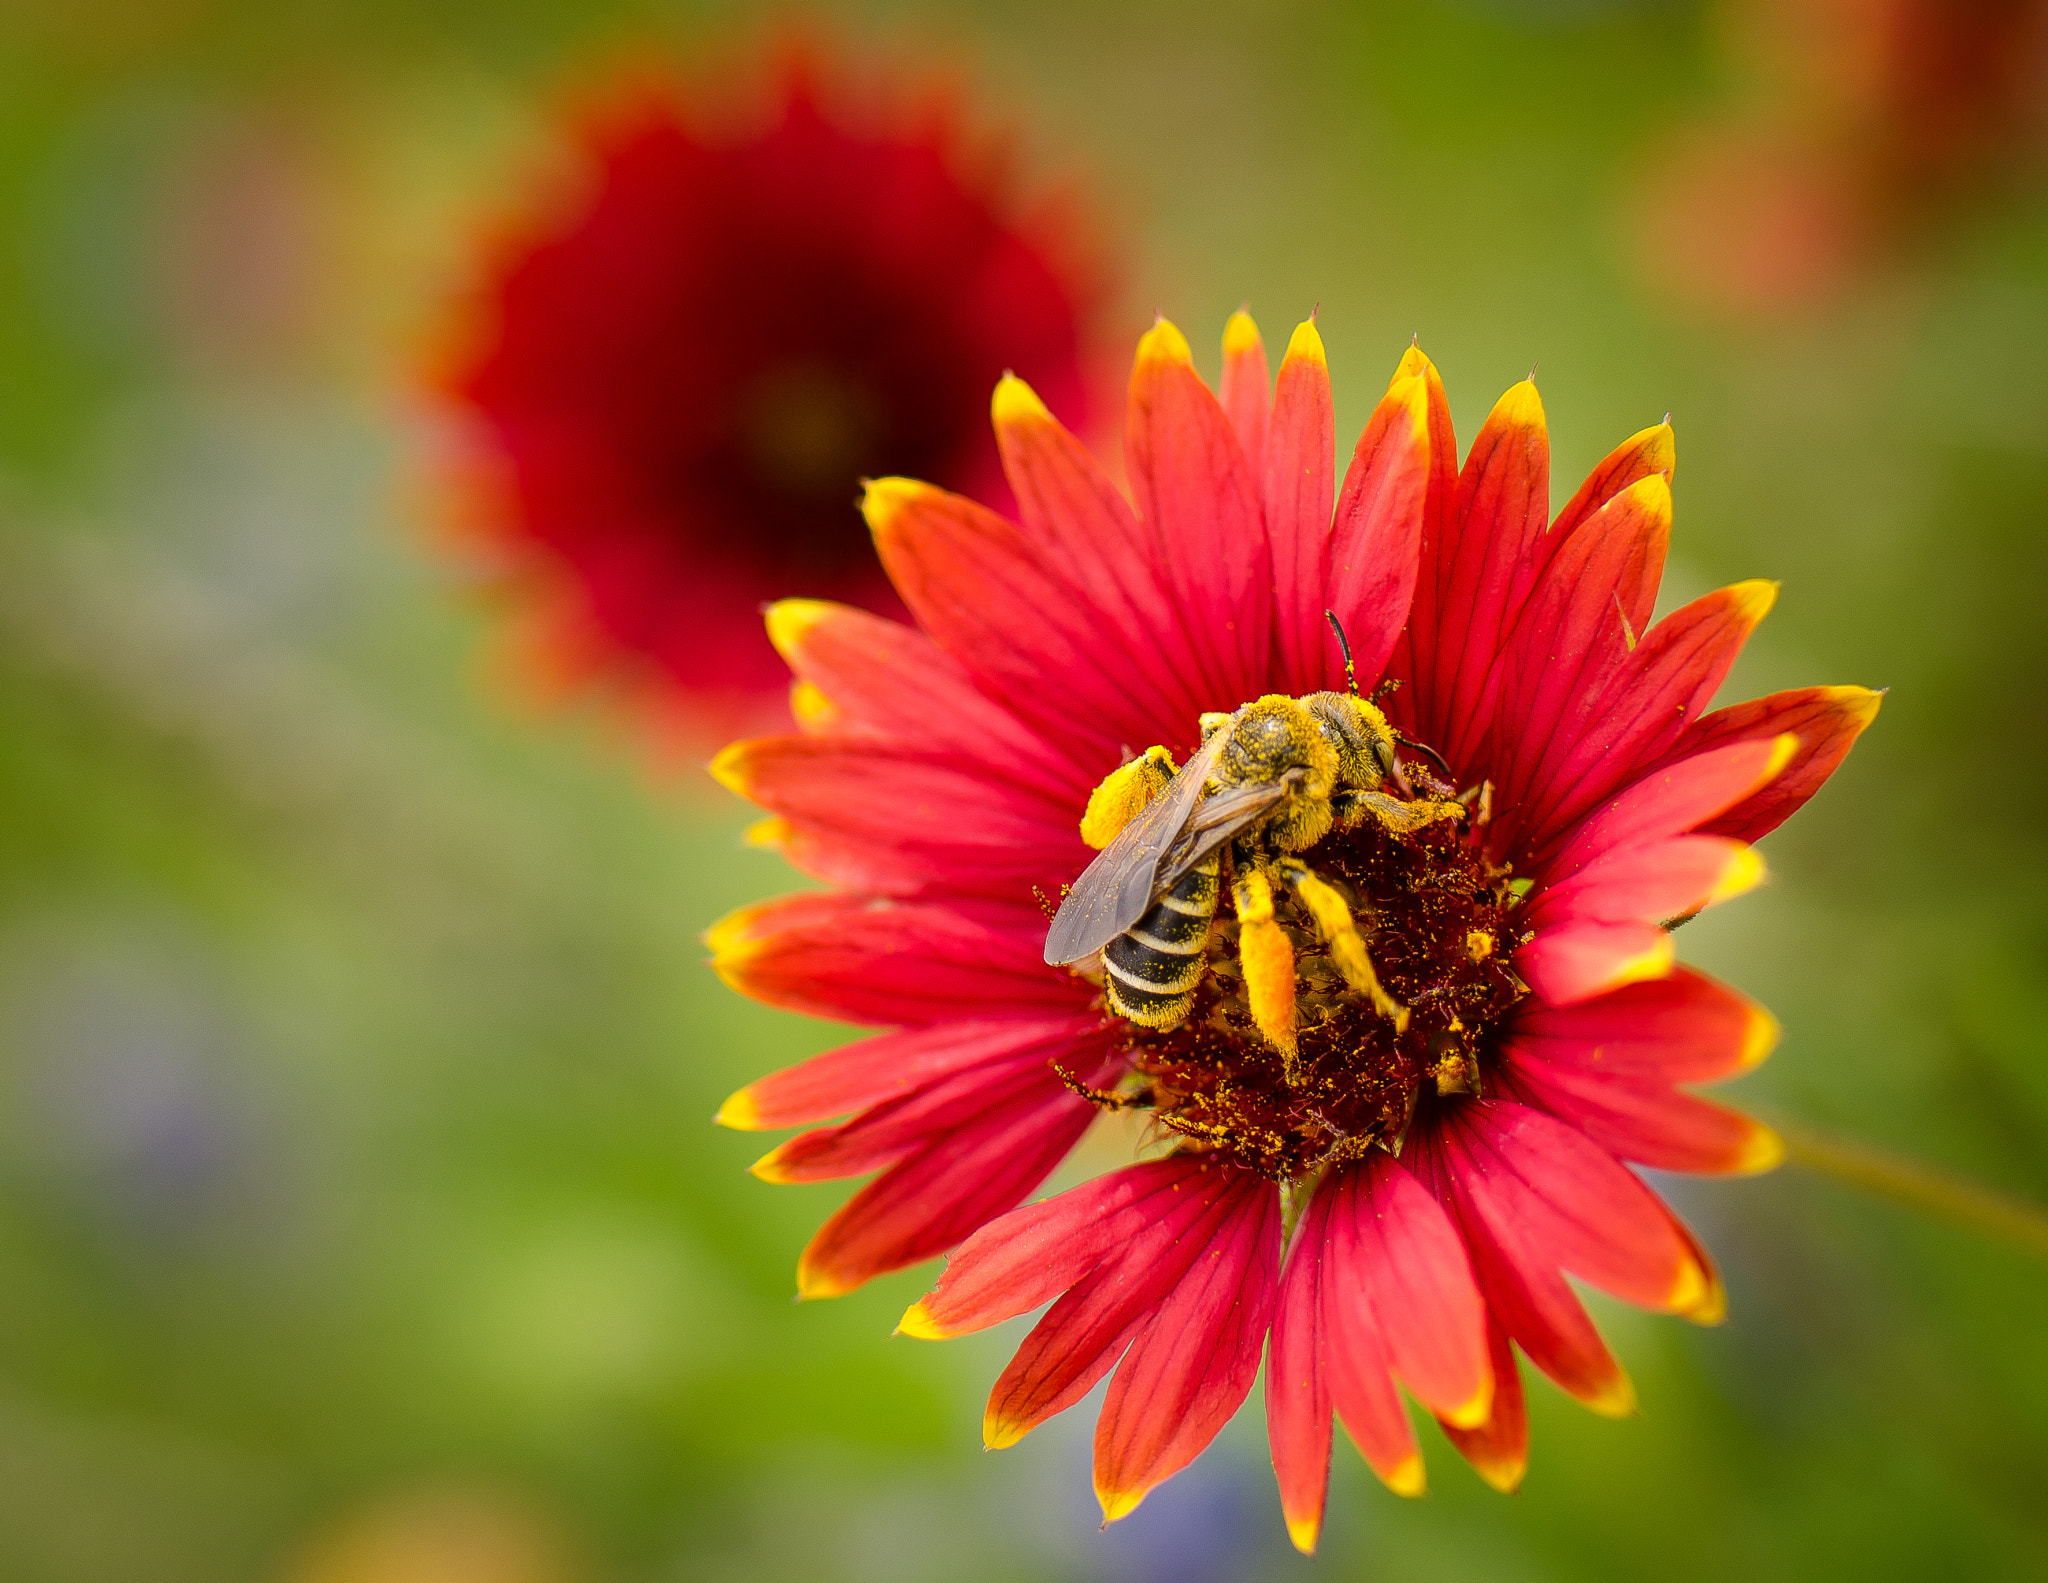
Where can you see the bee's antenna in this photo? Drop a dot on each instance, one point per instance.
(1343, 643)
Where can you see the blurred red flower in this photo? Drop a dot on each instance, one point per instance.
(678, 378)
(1445, 1147)
(1871, 119)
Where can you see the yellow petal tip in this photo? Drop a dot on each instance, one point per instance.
(1656, 962)
(882, 499)
(740, 1113)
(1407, 1477)
(1118, 1504)
(769, 1169)
(1305, 1531)
(1754, 598)
(1504, 1474)
(1474, 1410)
(767, 833)
(1164, 343)
(1762, 1151)
(1521, 407)
(1759, 1038)
(917, 1322)
(1240, 335)
(1615, 1399)
(790, 620)
(1306, 344)
(1744, 871)
(1016, 402)
(812, 1282)
(729, 767)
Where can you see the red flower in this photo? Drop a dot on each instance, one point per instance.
(684, 373)
(1445, 1144)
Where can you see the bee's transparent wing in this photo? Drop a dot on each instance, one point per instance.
(1215, 821)
(1116, 889)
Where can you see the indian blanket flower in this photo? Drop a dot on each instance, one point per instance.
(676, 378)
(1375, 1182)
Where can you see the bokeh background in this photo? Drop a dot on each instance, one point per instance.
(360, 1218)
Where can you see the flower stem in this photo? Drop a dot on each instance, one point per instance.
(1918, 1185)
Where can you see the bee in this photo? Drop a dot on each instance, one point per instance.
(1269, 780)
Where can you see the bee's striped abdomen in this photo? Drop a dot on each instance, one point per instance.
(1151, 970)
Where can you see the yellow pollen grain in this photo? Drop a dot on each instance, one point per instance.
(739, 1112)
(917, 1321)
(1306, 344)
(1240, 335)
(790, 621)
(1164, 343)
(1479, 945)
(1407, 1477)
(1016, 402)
(1745, 871)
(1304, 1532)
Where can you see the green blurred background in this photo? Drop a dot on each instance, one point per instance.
(360, 1218)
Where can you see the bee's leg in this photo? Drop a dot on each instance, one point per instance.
(1268, 960)
(1398, 817)
(1123, 794)
(1340, 931)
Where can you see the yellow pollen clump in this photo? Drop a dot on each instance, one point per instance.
(1479, 945)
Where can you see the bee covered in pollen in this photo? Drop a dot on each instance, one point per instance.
(1270, 780)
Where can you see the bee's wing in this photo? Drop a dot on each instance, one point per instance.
(1215, 821)
(1115, 890)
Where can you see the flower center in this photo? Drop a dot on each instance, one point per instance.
(1438, 923)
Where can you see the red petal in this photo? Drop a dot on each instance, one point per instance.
(1191, 1367)
(1673, 800)
(920, 815)
(1029, 1257)
(1645, 1120)
(992, 602)
(1577, 961)
(1413, 1265)
(887, 964)
(1246, 389)
(1083, 1335)
(1376, 544)
(943, 1194)
(1646, 452)
(1575, 633)
(1516, 1267)
(1472, 585)
(1640, 715)
(1300, 478)
(953, 1102)
(1201, 516)
(1826, 720)
(872, 1072)
(1362, 1389)
(1297, 1386)
(1498, 1449)
(1080, 523)
(1663, 879)
(1684, 1029)
(889, 680)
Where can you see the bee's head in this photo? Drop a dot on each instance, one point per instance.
(1362, 739)
(1274, 735)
